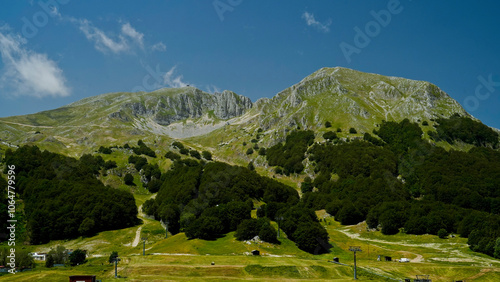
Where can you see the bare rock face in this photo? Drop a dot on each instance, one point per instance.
(189, 103)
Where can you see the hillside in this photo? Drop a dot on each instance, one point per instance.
(341, 159)
(344, 97)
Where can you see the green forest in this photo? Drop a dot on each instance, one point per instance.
(63, 198)
(392, 178)
(400, 182)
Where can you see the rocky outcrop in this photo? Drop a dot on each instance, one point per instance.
(165, 107)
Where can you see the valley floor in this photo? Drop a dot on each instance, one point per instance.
(178, 259)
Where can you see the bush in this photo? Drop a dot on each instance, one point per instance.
(207, 155)
(49, 262)
(178, 145)
(262, 151)
(267, 233)
(339, 129)
(105, 150)
(110, 165)
(311, 237)
(195, 154)
(113, 256)
(328, 124)
(425, 123)
(352, 130)
(247, 229)
(205, 227)
(251, 166)
(184, 151)
(78, 257)
(129, 179)
(172, 156)
(307, 185)
(330, 135)
(249, 151)
(442, 233)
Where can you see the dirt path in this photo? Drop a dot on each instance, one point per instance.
(462, 257)
(481, 273)
(137, 238)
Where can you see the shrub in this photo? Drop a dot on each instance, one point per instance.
(173, 156)
(330, 135)
(129, 179)
(442, 233)
(262, 151)
(195, 154)
(352, 130)
(113, 256)
(267, 233)
(249, 151)
(207, 155)
(247, 229)
(328, 124)
(78, 257)
(49, 262)
(251, 166)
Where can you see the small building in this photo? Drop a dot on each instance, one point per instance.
(336, 259)
(256, 253)
(388, 258)
(82, 278)
(39, 256)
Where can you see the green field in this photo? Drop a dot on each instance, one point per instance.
(177, 258)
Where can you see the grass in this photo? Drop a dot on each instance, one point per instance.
(180, 259)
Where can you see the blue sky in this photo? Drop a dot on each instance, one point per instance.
(54, 52)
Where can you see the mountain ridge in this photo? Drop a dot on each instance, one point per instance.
(346, 98)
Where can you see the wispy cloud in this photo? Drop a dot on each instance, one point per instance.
(106, 42)
(27, 72)
(160, 47)
(128, 30)
(102, 41)
(173, 81)
(311, 21)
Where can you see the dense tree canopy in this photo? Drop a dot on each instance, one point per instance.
(63, 198)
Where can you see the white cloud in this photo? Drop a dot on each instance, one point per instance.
(128, 30)
(27, 72)
(311, 21)
(102, 41)
(173, 81)
(160, 47)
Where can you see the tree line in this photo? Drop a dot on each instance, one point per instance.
(62, 197)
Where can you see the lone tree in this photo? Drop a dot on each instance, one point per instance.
(442, 233)
(78, 257)
(207, 155)
(113, 256)
(49, 262)
(129, 179)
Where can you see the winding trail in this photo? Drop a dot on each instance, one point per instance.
(137, 237)
(460, 256)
